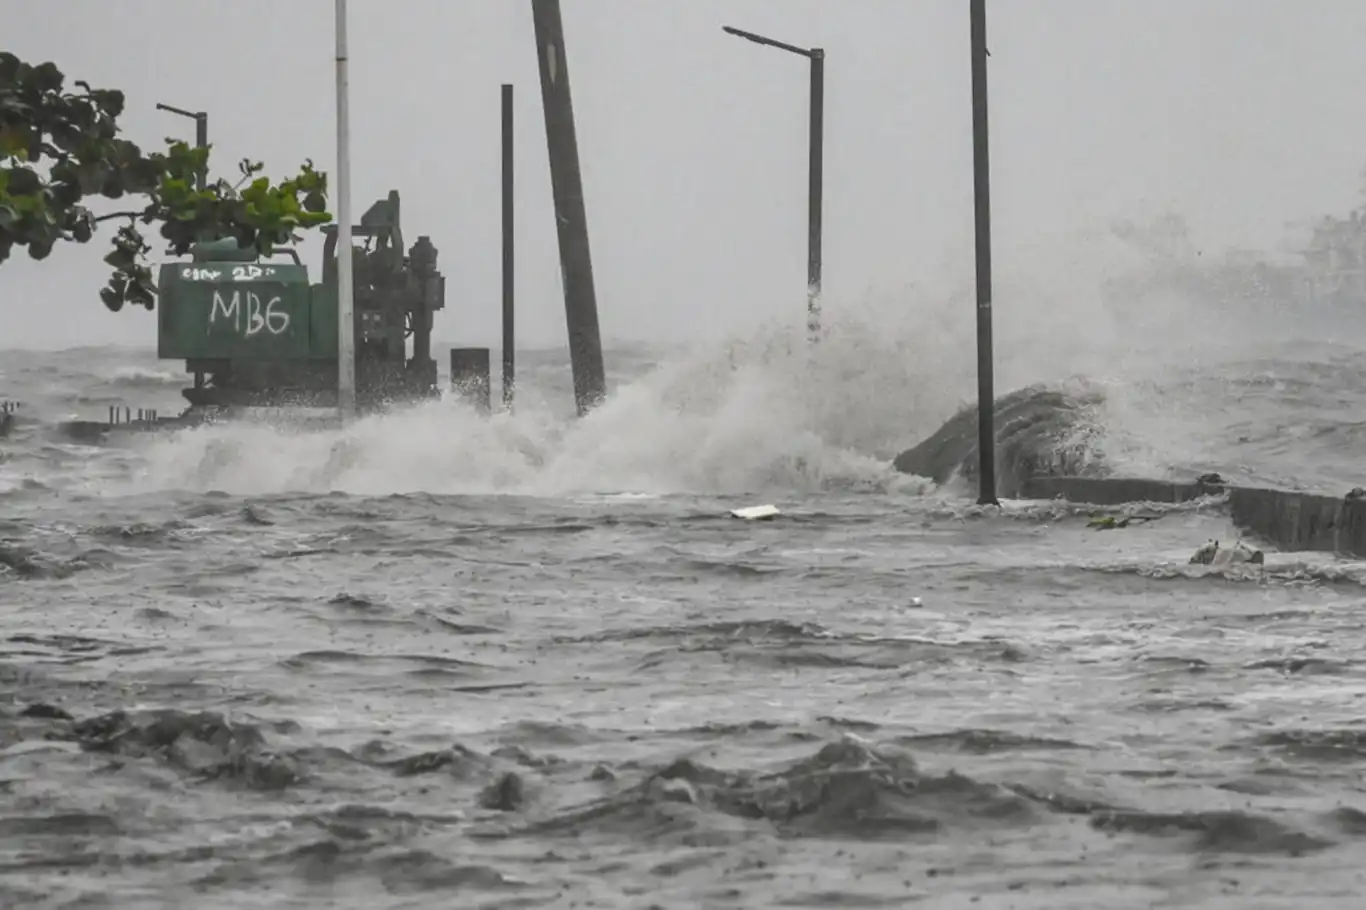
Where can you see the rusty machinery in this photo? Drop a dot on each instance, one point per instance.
(256, 332)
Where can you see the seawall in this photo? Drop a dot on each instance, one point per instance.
(1042, 453)
(1285, 519)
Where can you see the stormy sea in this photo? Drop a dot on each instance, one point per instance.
(439, 659)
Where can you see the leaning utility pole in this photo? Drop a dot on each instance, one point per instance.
(571, 221)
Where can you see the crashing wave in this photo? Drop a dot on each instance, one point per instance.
(1039, 431)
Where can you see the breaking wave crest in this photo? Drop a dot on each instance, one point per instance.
(770, 413)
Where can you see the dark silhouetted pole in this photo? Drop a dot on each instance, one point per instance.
(571, 221)
(815, 188)
(981, 185)
(509, 319)
(470, 377)
(201, 131)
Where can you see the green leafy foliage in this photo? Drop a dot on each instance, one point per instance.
(60, 149)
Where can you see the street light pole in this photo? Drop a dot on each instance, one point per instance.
(201, 131)
(346, 328)
(981, 185)
(509, 252)
(815, 169)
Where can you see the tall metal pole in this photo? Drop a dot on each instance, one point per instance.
(981, 184)
(571, 221)
(815, 169)
(346, 329)
(201, 140)
(509, 319)
(201, 134)
(815, 188)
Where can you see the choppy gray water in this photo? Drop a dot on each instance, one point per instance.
(438, 661)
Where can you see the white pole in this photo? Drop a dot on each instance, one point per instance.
(346, 329)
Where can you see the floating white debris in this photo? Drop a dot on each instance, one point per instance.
(1211, 554)
(916, 602)
(756, 513)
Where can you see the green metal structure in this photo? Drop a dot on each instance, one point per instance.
(257, 333)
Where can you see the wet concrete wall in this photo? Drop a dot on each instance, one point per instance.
(1044, 452)
(1284, 519)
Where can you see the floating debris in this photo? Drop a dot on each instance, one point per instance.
(1211, 554)
(756, 513)
(1110, 522)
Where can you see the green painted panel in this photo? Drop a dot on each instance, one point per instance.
(234, 310)
(324, 325)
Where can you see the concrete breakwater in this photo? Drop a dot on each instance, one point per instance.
(1285, 519)
(1042, 453)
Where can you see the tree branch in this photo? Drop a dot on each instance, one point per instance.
(131, 216)
(76, 137)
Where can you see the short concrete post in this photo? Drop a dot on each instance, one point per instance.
(470, 376)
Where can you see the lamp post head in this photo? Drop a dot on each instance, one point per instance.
(172, 109)
(770, 42)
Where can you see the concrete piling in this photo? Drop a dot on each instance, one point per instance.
(470, 377)
(571, 220)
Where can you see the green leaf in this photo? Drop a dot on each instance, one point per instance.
(119, 258)
(15, 139)
(23, 181)
(110, 101)
(45, 77)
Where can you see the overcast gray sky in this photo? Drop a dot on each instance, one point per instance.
(1239, 114)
